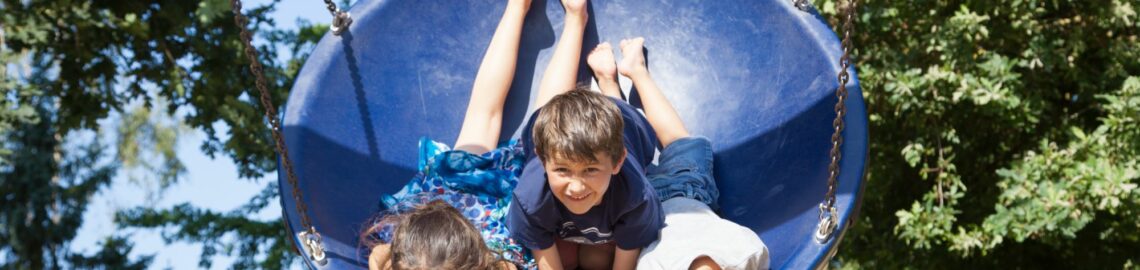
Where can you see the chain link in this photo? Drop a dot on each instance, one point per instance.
(313, 241)
(332, 7)
(803, 5)
(827, 211)
(341, 19)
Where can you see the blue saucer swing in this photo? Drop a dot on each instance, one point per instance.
(757, 77)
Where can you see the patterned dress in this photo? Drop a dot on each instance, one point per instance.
(478, 185)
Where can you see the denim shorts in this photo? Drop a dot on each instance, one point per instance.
(684, 169)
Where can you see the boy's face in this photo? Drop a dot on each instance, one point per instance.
(580, 185)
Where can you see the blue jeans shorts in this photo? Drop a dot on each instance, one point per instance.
(684, 169)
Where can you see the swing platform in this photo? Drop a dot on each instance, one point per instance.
(756, 77)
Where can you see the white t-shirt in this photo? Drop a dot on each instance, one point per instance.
(693, 230)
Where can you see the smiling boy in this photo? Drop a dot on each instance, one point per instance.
(583, 199)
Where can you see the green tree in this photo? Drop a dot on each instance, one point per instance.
(71, 65)
(46, 189)
(1004, 134)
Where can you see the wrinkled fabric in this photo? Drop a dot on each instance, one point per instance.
(684, 169)
(478, 185)
(693, 230)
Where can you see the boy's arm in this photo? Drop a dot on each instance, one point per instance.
(548, 259)
(625, 259)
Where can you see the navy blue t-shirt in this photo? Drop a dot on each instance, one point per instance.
(628, 215)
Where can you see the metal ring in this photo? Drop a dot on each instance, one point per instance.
(313, 246)
(828, 221)
(803, 5)
(340, 22)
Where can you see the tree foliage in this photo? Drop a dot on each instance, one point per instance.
(1004, 134)
(259, 244)
(70, 66)
(46, 191)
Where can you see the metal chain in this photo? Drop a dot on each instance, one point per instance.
(341, 19)
(803, 5)
(827, 211)
(310, 237)
(332, 7)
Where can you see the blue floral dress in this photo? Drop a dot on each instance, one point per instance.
(479, 186)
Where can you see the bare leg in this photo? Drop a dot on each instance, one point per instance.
(601, 61)
(484, 118)
(562, 73)
(658, 110)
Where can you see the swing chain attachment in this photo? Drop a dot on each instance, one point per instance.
(803, 5)
(310, 238)
(341, 19)
(828, 213)
(314, 248)
(827, 223)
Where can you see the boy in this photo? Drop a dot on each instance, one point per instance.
(569, 138)
(582, 198)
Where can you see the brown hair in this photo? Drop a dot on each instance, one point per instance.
(433, 236)
(578, 124)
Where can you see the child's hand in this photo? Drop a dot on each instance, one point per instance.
(633, 59)
(575, 8)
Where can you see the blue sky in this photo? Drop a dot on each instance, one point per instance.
(209, 183)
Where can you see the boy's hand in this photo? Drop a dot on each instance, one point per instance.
(633, 58)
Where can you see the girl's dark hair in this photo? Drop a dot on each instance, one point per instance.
(433, 236)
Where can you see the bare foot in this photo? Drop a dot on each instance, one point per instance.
(633, 59)
(575, 9)
(601, 60)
